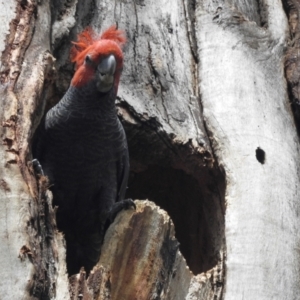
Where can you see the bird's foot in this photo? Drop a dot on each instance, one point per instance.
(118, 206)
(37, 167)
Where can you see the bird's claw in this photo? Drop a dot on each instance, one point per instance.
(37, 167)
(119, 206)
(128, 203)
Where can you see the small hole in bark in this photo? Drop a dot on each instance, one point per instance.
(260, 155)
(23, 4)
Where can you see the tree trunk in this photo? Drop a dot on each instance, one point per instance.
(212, 141)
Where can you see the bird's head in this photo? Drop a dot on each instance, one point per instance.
(98, 59)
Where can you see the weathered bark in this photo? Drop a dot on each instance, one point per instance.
(205, 106)
(33, 264)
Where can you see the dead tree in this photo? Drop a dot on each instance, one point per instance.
(205, 99)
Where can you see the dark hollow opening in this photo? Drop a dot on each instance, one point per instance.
(260, 155)
(196, 220)
(191, 193)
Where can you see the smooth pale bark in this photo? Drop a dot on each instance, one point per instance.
(246, 107)
(202, 89)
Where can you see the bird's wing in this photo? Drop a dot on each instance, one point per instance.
(123, 175)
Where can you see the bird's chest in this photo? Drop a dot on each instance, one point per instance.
(87, 142)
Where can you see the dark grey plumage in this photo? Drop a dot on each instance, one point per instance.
(82, 148)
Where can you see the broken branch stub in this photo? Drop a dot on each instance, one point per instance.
(140, 260)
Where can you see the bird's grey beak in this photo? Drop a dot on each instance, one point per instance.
(105, 74)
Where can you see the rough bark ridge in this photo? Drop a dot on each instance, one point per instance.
(26, 66)
(292, 59)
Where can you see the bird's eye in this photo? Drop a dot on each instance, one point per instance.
(88, 60)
